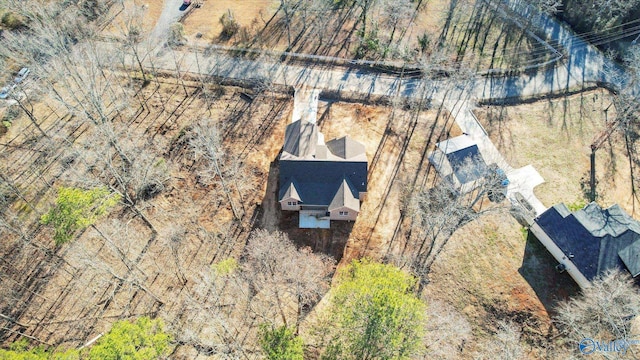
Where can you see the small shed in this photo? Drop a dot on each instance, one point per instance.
(459, 160)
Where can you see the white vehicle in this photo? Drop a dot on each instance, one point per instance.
(21, 75)
(4, 92)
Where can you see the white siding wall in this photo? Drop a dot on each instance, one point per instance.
(285, 205)
(352, 215)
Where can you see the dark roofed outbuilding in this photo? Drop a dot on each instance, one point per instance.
(468, 165)
(460, 161)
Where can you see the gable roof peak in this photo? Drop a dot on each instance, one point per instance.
(345, 197)
(346, 148)
(290, 192)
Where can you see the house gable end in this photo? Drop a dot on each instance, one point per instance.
(345, 197)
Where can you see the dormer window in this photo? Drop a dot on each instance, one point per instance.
(344, 213)
(292, 203)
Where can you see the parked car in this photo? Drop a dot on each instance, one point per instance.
(21, 75)
(186, 2)
(4, 92)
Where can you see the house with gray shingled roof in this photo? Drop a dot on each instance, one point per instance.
(458, 160)
(590, 241)
(322, 181)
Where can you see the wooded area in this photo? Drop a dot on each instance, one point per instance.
(138, 209)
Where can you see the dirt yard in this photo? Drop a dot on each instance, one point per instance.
(153, 264)
(317, 28)
(83, 286)
(488, 271)
(247, 13)
(142, 13)
(492, 269)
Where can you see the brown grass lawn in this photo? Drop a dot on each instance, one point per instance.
(77, 289)
(81, 292)
(248, 13)
(333, 32)
(139, 12)
(490, 270)
(555, 137)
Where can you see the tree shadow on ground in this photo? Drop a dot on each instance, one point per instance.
(538, 269)
(328, 241)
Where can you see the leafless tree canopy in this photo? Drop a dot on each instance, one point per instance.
(605, 310)
(436, 213)
(274, 283)
(504, 345)
(448, 332)
(274, 265)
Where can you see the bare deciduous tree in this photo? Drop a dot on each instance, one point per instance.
(274, 283)
(436, 213)
(604, 311)
(134, 37)
(205, 143)
(448, 332)
(505, 345)
(276, 267)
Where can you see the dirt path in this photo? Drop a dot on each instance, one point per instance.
(269, 208)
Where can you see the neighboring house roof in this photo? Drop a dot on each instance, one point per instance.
(467, 164)
(459, 158)
(594, 239)
(317, 182)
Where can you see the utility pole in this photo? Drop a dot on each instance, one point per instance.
(597, 143)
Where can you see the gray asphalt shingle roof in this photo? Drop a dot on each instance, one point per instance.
(317, 182)
(345, 147)
(301, 138)
(332, 174)
(346, 196)
(594, 239)
(467, 164)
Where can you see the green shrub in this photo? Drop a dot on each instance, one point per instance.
(12, 113)
(424, 41)
(76, 209)
(143, 339)
(373, 312)
(229, 25)
(176, 35)
(280, 343)
(576, 205)
(12, 21)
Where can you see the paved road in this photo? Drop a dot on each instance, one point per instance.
(171, 12)
(584, 65)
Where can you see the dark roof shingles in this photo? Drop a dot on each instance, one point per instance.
(588, 237)
(318, 181)
(467, 164)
